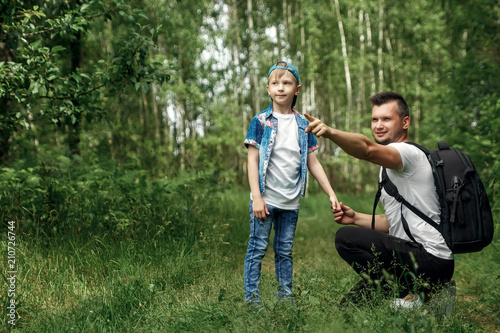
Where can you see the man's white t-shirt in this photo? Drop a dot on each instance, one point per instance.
(283, 173)
(415, 183)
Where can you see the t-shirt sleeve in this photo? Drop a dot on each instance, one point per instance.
(409, 156)
(254, 134)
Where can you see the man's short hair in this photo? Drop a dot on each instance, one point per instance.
(384, 97)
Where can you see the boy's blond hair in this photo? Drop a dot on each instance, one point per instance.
(278, 73)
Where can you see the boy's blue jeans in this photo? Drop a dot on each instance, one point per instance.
(285, 223)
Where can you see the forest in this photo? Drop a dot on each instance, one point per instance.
(123, 170)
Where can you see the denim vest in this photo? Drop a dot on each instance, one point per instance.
(262, 135)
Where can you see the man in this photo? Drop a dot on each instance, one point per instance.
(388, 248)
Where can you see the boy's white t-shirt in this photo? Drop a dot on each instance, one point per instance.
(283, 173)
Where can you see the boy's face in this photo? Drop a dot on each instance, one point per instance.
(283, 89)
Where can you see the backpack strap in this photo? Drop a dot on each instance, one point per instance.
(392, 190)
(377, 198)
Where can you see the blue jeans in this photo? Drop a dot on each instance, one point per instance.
(285, 222)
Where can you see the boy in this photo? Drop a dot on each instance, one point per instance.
(279, 154)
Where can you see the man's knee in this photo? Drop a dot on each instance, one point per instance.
(344, 238)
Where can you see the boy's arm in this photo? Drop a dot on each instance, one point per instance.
(259, 207)
(319, 174)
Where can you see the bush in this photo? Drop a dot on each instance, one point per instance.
(59, 195)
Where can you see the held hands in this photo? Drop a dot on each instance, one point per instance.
(335, 205)
(317, 127)
(345, 215)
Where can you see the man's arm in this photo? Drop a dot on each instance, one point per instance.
(319, 174)
(357, 145)
(259, 207)
(346, 215)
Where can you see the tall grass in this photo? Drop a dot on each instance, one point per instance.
(108, 282)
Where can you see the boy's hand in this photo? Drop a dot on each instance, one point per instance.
(345, 215)
(259, 208)
(335, 204)
(317, 127)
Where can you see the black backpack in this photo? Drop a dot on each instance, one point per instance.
(466, 219)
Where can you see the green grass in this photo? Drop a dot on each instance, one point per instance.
(154, 284)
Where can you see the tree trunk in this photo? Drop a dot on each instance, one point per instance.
(285, 23)
(388, 44)
(416, 104)
(370, 48)
(252, 60)
(237, 64)
(145, 117)
(154, 106)
(380, 45)
(6, 111)
(304, 106)
(182, 113)
(74, 128)
(346, 64)
(361, 105)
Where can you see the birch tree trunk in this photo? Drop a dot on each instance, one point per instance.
(346, 64)
(360, 105)
(162, 120)
(145, 117)
(182, 113)
(388, 44)
(463, 49)
(373, 87)
(347, 77)
(156, 118)
(285, 23)
(252, 60)
(416, 104)
(305, 104)
(238, 70)
(290, 30)
(380, 45)
(74, 130)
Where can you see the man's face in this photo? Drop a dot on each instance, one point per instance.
(387, 126)
(282, 90)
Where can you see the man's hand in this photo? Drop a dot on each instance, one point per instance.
(345, 215)
(317, 127)
(259, 208)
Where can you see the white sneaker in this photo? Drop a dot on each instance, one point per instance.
(413, 303)
(443, 302)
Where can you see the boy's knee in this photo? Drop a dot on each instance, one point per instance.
(283, 249)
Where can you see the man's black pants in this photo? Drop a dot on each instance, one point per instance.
(369, 251)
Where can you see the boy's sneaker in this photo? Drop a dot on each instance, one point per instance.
(410, 303)
(253, 302)
(288, 299)
(254, 306)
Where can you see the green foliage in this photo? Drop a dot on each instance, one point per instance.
(113, 169)
(36, 77)
(470, 106)
(143, 284)
(60, 195)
